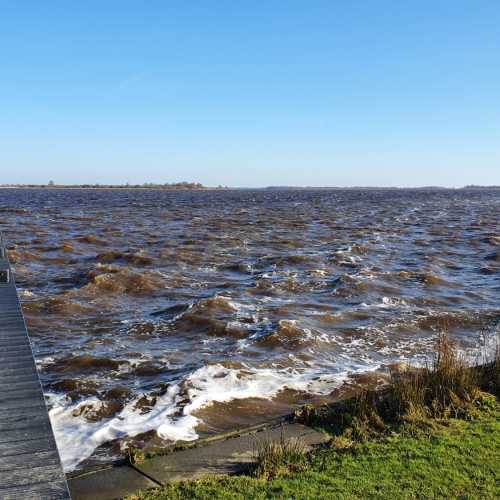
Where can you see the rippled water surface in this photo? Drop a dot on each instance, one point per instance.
(158, 316)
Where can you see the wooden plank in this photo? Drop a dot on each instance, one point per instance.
(39, 491)
(50, 457)
(34, 431)
(7, 380)
(18, 384)
(41, 473)
(22, 357)
(30, 467)
(12, 366)
(11, 327)
(29, 412)
(12, 343)
(15, 349)
(27, 446)
(11, 377)
(30, 393)
(17, 421)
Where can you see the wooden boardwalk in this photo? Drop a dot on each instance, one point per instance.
(30, 467)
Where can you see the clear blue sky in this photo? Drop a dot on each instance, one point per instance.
(250, 93)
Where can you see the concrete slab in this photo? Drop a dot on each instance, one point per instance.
(227, 456)
(108, 484)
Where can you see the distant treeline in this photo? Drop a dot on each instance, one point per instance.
(146, 185)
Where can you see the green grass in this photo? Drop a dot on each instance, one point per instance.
(452, 458)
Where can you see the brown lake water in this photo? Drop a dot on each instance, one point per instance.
(159, 316)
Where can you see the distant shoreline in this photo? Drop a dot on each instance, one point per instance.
(163, 187)
(199, 187)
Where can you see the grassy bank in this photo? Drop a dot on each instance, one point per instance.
(433, 433)
(457, 460)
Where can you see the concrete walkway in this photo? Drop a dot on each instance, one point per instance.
(217, 456)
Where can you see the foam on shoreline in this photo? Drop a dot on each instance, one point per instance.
(171, 418)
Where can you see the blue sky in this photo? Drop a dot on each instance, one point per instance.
(251, 93)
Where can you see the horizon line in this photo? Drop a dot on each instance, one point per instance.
(196, 186)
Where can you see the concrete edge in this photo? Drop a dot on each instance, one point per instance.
(116, 481)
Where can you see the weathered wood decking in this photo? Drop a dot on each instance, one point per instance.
(30, 466)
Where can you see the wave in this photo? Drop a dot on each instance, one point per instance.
(112, 279)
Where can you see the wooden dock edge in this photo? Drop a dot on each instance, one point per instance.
(30, 465)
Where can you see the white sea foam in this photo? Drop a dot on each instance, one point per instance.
(43, 362)
(386, 303)
(77, 438)
(173, 420)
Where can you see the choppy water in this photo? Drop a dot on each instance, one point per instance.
(158, 316)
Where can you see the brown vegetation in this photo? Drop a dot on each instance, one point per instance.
(275, 458)
(447, 387)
